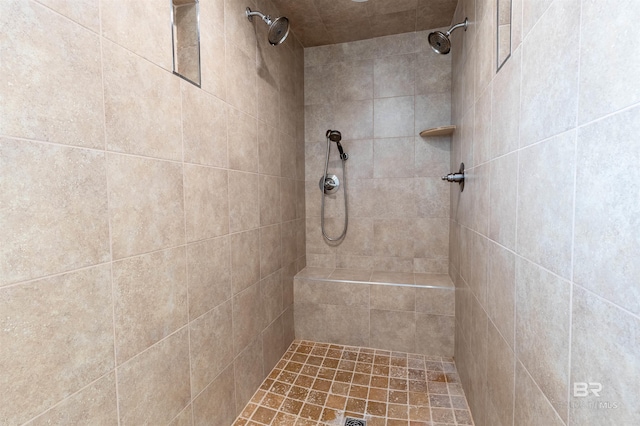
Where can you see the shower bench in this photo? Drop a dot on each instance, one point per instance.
(386, 310)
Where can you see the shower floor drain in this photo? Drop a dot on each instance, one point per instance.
(349, 421)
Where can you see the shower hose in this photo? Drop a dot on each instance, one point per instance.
(346, 211)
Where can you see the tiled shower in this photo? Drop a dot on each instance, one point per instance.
(151, 229)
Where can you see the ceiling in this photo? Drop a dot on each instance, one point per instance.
(318, 22)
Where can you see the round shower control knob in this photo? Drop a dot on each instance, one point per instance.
(331, 184)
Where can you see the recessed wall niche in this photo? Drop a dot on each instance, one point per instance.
(503, 28)
(186, 39)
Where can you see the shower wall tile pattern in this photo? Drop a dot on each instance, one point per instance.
(379, 93)
(543, 241)
(150, 229)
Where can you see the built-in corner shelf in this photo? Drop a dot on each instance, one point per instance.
(438, 131)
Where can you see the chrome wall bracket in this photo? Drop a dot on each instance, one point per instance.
(456, 177)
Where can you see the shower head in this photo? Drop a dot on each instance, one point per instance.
(278, 28)
(440, 42)
(334, 135)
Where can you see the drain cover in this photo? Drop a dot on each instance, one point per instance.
(349, 421)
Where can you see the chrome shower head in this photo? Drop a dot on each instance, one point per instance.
(278, 28)
(440, 42)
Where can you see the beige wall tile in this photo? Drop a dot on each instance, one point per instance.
(433, 73)
(482, 127)
(248, 317)
(243, 141)
(272, 344)
(238, 28)
(185, 418)
(153, 387)
(542, 330)
(432, 198)
(288, 200)
(211, 343)
(392, 277)
(206, 202)
(150, 297)
(269, 200)
(435, 301)
(503, 199)
(137, 91)
(394, 76)
(545, 204)
(431, 238)
(604, 348)
(204, 127)
(241, 78)
(248, 371)
(505, 107)
(434, 334)
(393, 158)
(95, 404)
(245, 259)
(212, 52)
(354, 119)
(485, 46)
(606, 213)
(54, 210)
(353, 80)
(391, 237)
(268, 90)
(270, 250)
(500, 376)
(73, 314)
(432, 110)
(137, 189)
(216, 404)
(360, 163)
(550, 85)
(393, 330)
(531, 407)
(330, 292)
(602, 70)
(288, 326)
(332, 323)
(392, 298)
(84, 12)
(360, 237)
(209, 275)
(244, 211)
(271, 293)
(394, 117)
(289, 249)
(432, 155)
(269, 142)
(148, 37)
(318, 84)
(501, 291)
(65, 58)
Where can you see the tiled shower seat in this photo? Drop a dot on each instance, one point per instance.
(387, 310)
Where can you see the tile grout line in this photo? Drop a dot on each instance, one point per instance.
(111, 263)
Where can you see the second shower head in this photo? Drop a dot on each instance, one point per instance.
(278, 28)
(440, 42)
